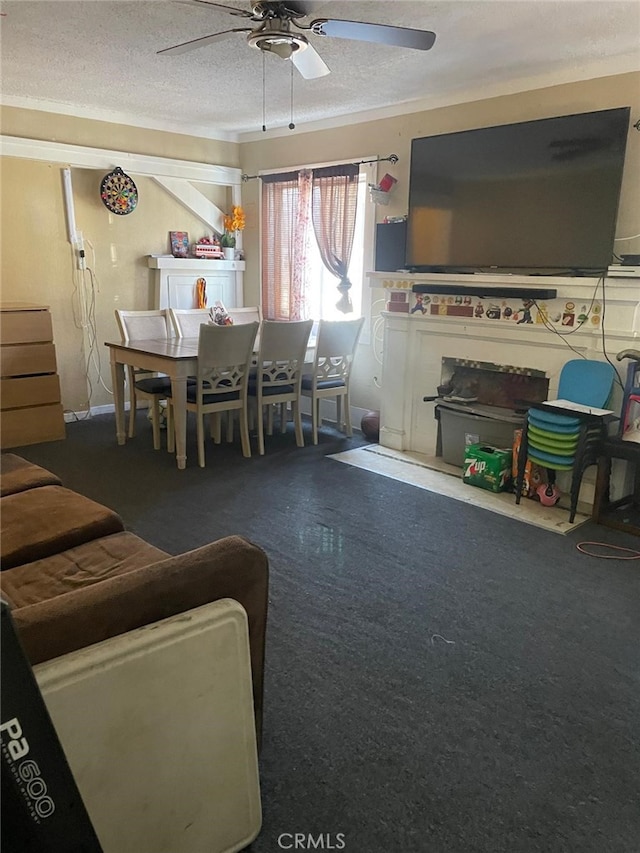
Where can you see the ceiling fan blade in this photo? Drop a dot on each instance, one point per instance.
(378, 33)
(231, 9)
(309, 63)
(201, 42)
(300, 8)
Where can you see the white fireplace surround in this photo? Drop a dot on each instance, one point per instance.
(175, 281)
(415, 344)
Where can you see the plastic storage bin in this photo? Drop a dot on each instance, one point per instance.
(462, 425)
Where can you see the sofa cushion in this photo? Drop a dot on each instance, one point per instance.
(18, 474)
(77, 568)
(40, 522)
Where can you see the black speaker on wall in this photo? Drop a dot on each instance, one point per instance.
(390, 246)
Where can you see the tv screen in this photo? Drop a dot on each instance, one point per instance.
(537, 195)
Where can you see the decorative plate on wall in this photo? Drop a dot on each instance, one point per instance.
(118, 192)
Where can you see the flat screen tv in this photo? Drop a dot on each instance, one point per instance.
(537, 195)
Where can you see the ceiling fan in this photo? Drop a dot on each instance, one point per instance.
(280, 31)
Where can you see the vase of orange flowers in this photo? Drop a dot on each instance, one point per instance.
(233, 223)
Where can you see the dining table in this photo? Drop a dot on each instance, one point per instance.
(177, 358)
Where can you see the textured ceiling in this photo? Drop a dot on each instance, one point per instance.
(98, 58)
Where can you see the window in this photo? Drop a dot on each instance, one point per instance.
(322, 295)
(296, 283)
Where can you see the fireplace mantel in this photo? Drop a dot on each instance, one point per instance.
(175, 281)
(492, 283)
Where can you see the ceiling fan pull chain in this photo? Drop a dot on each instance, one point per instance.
(291, 124)
(264, 98)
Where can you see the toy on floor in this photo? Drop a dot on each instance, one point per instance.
(370, 425)
(548, 492)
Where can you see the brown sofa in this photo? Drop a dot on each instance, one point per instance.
(74, 576)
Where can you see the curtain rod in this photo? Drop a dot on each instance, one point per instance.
(392, 158)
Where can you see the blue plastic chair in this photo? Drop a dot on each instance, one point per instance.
(553, 421)
(586, 381)
(568, 442)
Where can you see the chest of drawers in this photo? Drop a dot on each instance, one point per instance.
(29, 383)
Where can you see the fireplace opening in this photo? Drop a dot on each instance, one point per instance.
(480, 402)
(492, 384)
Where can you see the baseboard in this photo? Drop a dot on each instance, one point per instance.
(109, 408)
(328, 412)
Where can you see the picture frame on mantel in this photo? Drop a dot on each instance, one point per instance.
(179, 243)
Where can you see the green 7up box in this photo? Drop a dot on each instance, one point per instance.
(487, 467)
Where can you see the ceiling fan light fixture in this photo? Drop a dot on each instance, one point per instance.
(283, 45)
(272, 37)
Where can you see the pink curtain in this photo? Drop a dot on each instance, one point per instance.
(334, 205)
(286, 229)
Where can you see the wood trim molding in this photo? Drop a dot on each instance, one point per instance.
(191, 198)
(102, 158)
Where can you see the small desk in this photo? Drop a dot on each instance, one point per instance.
(177, 358)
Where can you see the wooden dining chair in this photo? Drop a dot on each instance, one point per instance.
(252, 314)
(277, 377)
(330, 375)
(186, 322)
(141, 325)
(224, 363)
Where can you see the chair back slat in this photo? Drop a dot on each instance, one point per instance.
(283, 346)
(335, 348)
(186, 322)
(224, 357)
(141, 325)
(240, 316)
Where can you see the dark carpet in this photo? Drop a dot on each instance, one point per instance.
(518, 734)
